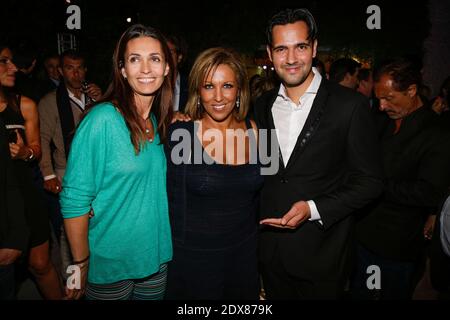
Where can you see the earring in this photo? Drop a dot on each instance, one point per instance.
(198, 102)
(238, 102)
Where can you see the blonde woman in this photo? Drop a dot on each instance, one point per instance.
(213, 198)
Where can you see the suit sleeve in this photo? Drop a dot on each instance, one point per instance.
(363, 180)
(48, 124)
(433, 176)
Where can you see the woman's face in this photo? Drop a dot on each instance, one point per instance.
(145, 65)
(219, 92)
(7, 69)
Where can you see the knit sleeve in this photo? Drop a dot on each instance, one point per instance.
(86, 163)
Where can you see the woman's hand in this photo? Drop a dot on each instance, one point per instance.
(76, 286)
(178, 116)
(77, 235)
(19, 150)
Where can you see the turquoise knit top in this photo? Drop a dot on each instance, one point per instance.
(129, 234)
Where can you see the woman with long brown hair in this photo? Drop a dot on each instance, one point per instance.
(114, 199)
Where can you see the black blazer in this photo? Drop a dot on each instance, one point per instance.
(13, 227)
(417, 175)
(336, 163)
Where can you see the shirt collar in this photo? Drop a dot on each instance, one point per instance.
(312, 89)
(78, 101)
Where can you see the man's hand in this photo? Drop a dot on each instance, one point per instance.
(94, 91)
(53, 185)
(299, 212)
(8, 256)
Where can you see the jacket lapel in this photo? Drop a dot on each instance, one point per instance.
(271, 126)
(311, 124)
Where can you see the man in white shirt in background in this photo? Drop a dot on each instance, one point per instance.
(59, 113)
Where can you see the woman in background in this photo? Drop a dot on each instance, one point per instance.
(20, 116)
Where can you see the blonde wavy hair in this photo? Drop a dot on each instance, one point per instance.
(206, 64)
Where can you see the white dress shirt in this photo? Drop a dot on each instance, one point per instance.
(289, 118)
(81, 103)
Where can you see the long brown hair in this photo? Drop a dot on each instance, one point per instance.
(12, 99)
(121, 95)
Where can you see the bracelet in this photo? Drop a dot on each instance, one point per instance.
(31, 156)
(81, 261)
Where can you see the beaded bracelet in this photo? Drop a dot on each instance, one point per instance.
(81, 261)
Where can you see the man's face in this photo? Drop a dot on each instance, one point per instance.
(51, 66)
(397, 104)
(292, 53)
(73, 71)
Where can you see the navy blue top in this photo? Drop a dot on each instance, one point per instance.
(211, 206)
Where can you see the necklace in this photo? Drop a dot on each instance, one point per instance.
(148, 130)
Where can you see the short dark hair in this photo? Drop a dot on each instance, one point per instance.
(72, 54)
(51, 55)
(179, 43)
(364, 74)
(403, 72)
(288, 16)
(341, 67)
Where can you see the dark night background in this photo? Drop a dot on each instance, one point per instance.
(239, 24)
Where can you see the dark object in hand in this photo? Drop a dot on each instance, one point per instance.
(12, 136)
(84, 85)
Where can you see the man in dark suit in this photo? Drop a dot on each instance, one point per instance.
(329, 167)
(13, 227)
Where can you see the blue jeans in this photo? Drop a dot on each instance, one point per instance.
(396, 277)
(7, 282)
